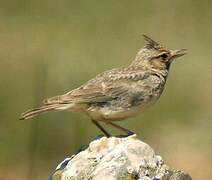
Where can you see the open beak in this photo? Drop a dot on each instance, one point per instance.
(178, 53)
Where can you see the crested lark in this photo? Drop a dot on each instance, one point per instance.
(118, 93)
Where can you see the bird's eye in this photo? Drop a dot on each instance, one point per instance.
(164, 56)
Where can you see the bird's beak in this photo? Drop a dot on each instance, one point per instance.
(178, 53)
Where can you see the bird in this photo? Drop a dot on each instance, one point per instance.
(119, 93)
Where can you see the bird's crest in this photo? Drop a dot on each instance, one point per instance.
(151, 43)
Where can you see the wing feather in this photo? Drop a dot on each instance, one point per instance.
(105, 87)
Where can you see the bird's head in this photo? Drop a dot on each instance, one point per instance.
(156, 56)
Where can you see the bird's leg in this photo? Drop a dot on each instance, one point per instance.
(120, 128)
(101, 128)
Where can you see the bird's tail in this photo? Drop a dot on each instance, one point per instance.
(43, 109)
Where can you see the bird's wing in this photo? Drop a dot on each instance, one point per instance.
(107, 86)
(99, 92)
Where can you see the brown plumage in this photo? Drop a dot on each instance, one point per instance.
(118, 93)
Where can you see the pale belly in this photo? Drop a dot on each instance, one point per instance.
(110, 114)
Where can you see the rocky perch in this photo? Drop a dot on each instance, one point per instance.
(116, 159)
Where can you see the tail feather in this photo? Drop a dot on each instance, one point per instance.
(37, 111)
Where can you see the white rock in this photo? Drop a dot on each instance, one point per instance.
(115, 159)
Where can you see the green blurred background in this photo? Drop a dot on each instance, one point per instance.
(49, 47)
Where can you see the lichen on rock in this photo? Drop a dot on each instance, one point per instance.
(116, 158)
